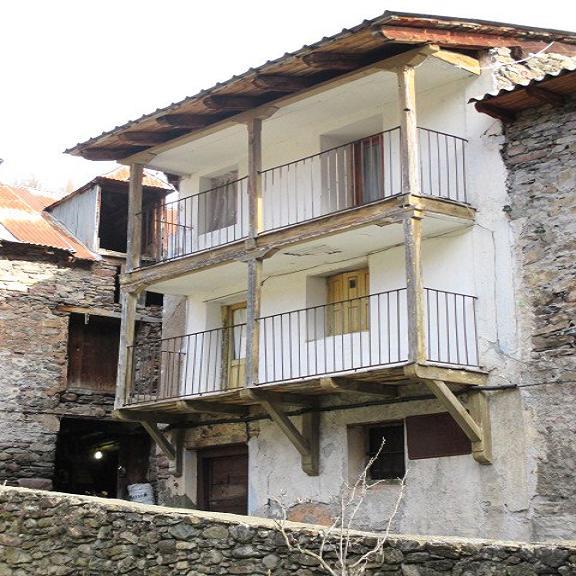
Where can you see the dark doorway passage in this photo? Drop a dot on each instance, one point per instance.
(100, 457)
(223, 479)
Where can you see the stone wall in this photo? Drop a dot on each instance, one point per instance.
(33, 354)
(540, 153)
(51, 533)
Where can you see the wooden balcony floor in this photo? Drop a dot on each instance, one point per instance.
(380, 381)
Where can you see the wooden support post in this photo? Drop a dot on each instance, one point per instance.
(134, 242)
(252, 321)
(125, 357)
(415, 288)
(179, 436)
(476, 425)
(158, 436)
(408, 131)
(254, 178)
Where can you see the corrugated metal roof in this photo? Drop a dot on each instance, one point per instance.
(22, 215)
(367, 27)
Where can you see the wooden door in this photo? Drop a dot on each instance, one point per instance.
(348, 302)
(223, 479)
(235, 345)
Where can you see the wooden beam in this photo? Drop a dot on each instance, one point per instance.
(408, 130)
(206, 407)
(452, 375)
(103, 312)
(453, 405)
(148, 138)
(232, 102)
(255, 213)
(333, 60)
(495, 112)
(183, 120)
(129, 414)
(348, 386)
(462, 61)
(311, 433)
(125, 360)
(158, 436)
(279, 396)
(453, 38)
(414, 288)
(253, 314)
(545, 95)
(282, 83)
(111, 153)
(480, 411)
(134, 241)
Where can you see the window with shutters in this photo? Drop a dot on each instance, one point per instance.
(347, 309)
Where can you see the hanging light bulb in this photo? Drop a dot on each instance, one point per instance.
(98, 455)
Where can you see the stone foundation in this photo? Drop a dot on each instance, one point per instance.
(55, 534)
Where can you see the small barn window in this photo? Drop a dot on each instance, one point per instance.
(386, 443)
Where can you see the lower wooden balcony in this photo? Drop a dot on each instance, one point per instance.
(358, 345)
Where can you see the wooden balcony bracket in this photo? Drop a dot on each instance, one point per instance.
(475, 422)
(306, 442)
(347, 386)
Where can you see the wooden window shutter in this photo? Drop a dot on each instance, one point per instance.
(348, 302)
(435, 436)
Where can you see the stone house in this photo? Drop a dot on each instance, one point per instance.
(352, 269)
(60, 262)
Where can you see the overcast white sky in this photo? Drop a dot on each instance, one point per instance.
(71, 69)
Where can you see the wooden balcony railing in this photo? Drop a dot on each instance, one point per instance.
(354, 335)
(362, 172)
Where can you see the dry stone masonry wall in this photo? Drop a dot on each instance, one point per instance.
(540, 154)
(54, 534)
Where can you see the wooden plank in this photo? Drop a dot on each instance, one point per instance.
(348, 385)
(184, 120)
(282, 83)
(111, 153)
(147, 138)
(158, 436)
(415, 289)
(127, 335)
(232, 102)
(452, 375)
(104, 313)
(495, 112)
(451, 403)
(545, 96)
(462, 61)
(333, 60)
(252, 324)
(134, 243)
(205, 407)
(453, 38)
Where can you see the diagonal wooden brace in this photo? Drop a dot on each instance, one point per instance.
(475, 424)
(158, 436)
(306, 442)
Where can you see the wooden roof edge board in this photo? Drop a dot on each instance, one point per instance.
(387, 64)
(386, 18)
(538, 89)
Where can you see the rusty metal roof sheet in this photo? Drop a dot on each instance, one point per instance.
(22, 214)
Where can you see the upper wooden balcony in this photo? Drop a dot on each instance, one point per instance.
(359, 180)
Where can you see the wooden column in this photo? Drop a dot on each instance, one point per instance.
(254, 178)
(127, 334)
(408, 130)
(415, 288)
(252, 322)
(134, 244)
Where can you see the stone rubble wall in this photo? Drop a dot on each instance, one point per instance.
(33, 355)
(56, 534)
(540, 154)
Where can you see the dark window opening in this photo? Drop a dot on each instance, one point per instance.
(93, 343)
(386, 444)
(100, 457)
(154, 299)
(218, 206)
(113, 221)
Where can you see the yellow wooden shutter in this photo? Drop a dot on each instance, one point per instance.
(348, 302)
